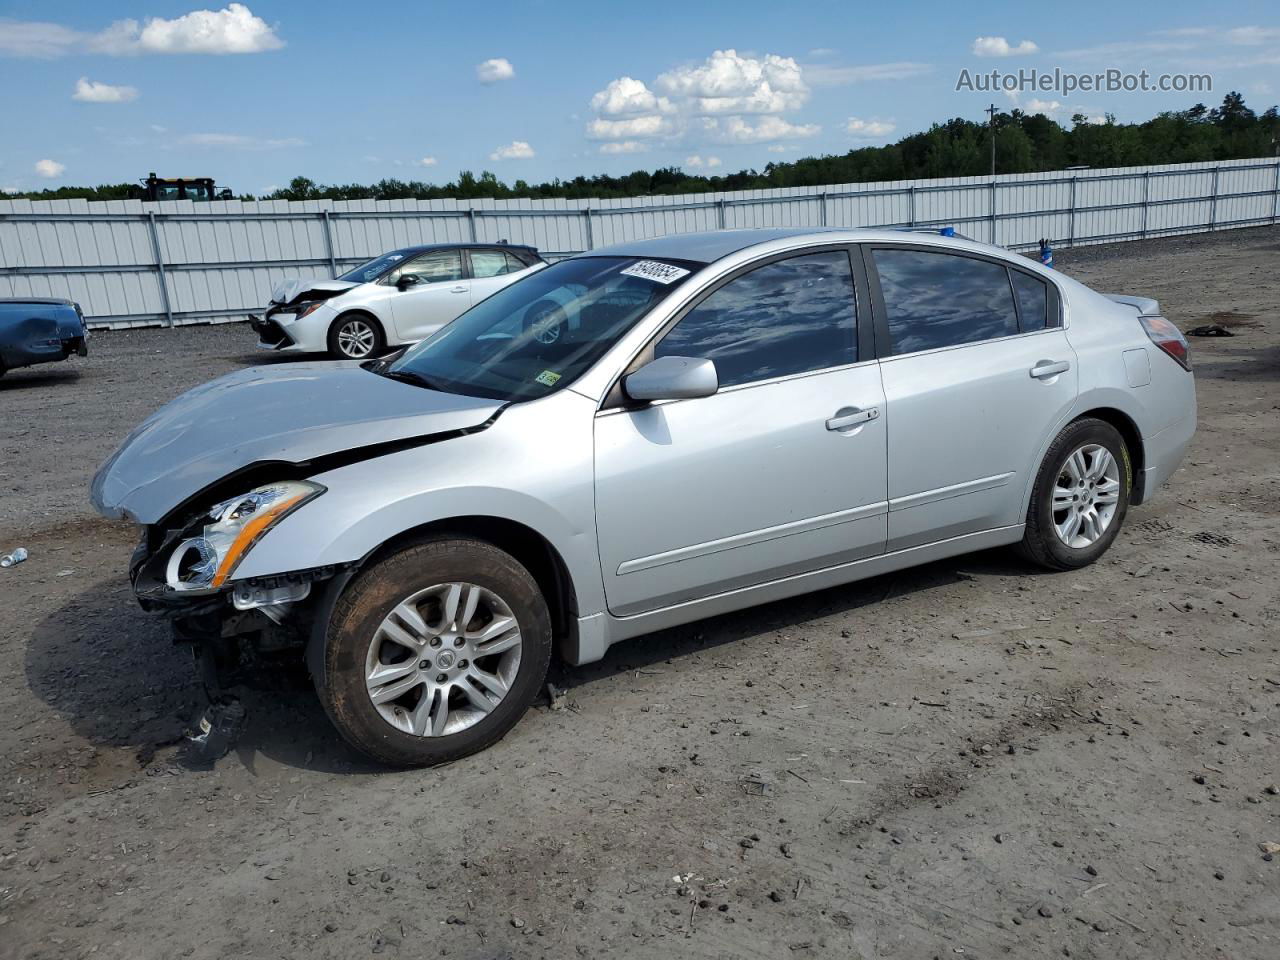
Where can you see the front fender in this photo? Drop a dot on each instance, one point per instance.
(544, 447)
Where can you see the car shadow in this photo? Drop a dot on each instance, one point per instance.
(791, 614)
(112, 672)
(29, 378)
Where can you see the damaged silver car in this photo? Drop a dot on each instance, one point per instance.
(634, 438)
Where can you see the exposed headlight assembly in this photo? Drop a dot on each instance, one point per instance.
(207, 560)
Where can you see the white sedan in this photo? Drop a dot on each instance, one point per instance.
(400, 297)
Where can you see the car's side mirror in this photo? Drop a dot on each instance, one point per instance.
(673, 378)
(408, 280)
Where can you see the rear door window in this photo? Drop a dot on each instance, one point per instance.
(489, 263)
(937, 300)
(787, 317)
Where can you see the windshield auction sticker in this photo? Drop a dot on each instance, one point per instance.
(656, 271)
(547, 378)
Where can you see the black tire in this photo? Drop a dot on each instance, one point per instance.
(1041, 542)
(369, 598)
(345, 325)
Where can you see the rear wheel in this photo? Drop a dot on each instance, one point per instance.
(1080, 497)
(435, 652)
(356, 336)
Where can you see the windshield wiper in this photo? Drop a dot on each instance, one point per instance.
(408, 376)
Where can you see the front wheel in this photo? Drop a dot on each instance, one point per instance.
(435, 652)
(356, 337)
(1080, 497)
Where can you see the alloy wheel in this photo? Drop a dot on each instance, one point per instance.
(1086, 495)
(356, 339)
(443, 659)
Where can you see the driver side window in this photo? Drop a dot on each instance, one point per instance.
(437, 266)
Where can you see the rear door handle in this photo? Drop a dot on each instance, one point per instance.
(458, 289)
(1049, 368)
(843, 421)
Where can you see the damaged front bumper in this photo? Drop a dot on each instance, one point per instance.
(234, 629)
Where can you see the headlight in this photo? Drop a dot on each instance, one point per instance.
(307, 308)
(204, 562)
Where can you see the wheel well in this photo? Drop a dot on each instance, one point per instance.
(357, 312)
(1132, 437)
(534, 552)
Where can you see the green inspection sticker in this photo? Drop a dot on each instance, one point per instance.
(547, 378)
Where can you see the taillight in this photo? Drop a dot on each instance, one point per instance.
(1168, 338)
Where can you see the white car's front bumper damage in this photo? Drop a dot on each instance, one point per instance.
(281, 330)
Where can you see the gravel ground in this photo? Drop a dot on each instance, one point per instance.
(969, 758)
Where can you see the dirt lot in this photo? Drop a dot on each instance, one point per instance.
(964, 759)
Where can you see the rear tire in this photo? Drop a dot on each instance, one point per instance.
(356, 336)
(1080, 498)
(451, 671)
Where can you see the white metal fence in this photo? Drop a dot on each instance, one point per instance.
(130, 263)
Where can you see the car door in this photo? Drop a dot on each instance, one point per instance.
(781, 471)
(440, 294)
(978, 376)
(491, 270)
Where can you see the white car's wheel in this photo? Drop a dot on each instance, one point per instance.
(356, 336)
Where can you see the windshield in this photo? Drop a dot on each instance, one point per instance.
(368, 272)
(543, 332)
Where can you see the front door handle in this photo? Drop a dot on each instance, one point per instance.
(458, 289)
(843, 421)
(1049, 368)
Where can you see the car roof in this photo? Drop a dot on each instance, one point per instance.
(709, 246)
(57, 300)
(428, 247)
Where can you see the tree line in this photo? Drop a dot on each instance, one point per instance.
(1024, 143)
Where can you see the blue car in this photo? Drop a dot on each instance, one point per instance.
(39, 330)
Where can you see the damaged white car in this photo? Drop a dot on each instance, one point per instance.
(400, 297)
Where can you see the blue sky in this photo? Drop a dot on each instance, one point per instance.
(256, 93)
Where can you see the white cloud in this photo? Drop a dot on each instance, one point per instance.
(728, 83)
(239, 141)
(643, 127)
(1253, 36)
(627, 97)
(779, 148)
(159, 129)
(869, 129)
(91, 91)
(1000, 47)
(515, 150)
(1122, 49)
(426, 161)
(711, 101)
(738, 130)
(491, 71)
(1047, 107)
(40, 41)
(826, 75)
(10, 189)
(49, 168)
(697, 161)
(233, 29)
(624, 146)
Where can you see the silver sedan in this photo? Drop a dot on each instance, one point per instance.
(638, 437)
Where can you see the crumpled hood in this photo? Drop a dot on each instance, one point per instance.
(288, 290)
(290, 412)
